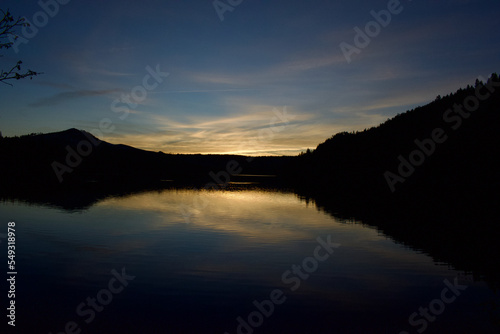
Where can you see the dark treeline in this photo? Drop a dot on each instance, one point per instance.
(445, 202)
(365, 167)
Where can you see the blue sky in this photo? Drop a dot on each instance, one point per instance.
(268, 79)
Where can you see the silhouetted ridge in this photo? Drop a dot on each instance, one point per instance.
(445, 204)
(73, 157)
(351, 163)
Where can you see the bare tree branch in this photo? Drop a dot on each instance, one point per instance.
(8, 26)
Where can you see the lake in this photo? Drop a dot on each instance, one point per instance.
(233, 261)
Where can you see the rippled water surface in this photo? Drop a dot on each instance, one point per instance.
(250, 261)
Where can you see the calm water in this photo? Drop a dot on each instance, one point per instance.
(201, 258)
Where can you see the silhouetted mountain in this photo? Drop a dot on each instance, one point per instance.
(73, 157)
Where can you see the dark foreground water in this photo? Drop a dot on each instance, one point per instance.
(252, 261)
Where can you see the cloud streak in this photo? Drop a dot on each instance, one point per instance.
(251, 130)
(68, 96)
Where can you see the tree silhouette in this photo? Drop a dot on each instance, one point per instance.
(8, 26)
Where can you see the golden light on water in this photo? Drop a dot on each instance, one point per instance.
(252, 214)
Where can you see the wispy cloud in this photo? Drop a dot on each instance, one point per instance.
(57, 85)
(205, 91)
(67, 96)
(251, 130)
(284, 71)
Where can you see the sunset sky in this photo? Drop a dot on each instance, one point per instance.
(268, 79)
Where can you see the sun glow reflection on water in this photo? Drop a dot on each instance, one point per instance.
(234, 248)
(262, 215)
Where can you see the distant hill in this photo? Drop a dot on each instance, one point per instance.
(74, 157)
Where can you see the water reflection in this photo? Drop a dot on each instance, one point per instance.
(233, 249)
(265, 216)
